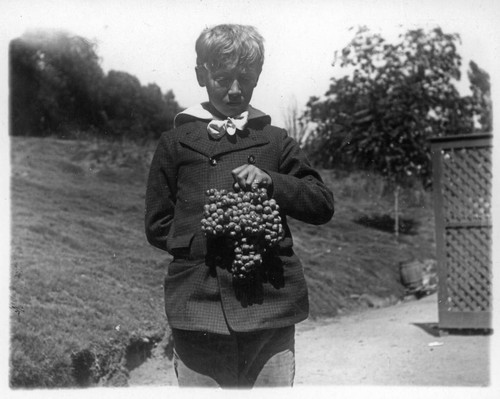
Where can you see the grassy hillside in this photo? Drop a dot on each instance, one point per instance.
(86, 287)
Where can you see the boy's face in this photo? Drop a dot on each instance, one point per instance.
(229, 89)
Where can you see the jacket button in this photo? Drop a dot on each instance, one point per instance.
(251, 159)
(213, 161)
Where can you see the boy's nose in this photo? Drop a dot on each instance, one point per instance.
(235, 88)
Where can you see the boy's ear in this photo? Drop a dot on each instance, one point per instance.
(257, 81)
(258, 76)
(201, 75)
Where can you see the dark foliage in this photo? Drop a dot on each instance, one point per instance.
(57, 87)
(386, 223)
(394, 97)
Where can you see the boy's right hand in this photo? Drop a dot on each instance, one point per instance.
(246, 175)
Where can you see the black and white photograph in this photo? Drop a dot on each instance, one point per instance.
(260, 197)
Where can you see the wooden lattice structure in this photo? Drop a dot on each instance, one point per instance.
(462, 204)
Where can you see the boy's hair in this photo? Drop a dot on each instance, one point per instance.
(230, 45)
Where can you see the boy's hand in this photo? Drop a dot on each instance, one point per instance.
(246, 175)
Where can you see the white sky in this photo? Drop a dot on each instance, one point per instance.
(154, 40)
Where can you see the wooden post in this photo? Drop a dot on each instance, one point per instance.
(396, 211)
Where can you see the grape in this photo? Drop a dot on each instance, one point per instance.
(249, 220)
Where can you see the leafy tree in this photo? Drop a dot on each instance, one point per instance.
(380, 115)
(25, 115)
(121, 95)
(58, 87)
(158, 110)
(55, 82)
(481, 92)
(134, 110)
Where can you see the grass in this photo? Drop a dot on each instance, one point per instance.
(83, 274)
(345, 259)
(86, 287)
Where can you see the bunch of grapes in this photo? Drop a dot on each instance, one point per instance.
(249, 220)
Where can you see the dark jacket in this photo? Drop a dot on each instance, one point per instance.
(199, 293)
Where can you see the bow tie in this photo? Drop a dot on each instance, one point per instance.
(217, 127)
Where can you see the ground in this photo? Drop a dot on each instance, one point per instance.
(398, 345)
(85, 284)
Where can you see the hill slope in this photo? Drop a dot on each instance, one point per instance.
(86, 287)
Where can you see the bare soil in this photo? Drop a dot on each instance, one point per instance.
(399, 345)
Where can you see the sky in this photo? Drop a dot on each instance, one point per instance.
(154, 39)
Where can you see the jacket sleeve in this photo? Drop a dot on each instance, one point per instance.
(298, 188)
(160, 197)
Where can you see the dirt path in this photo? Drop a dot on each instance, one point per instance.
(397, 345)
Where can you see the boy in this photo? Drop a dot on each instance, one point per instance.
(224, 334)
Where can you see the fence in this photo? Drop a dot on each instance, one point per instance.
(462, 206)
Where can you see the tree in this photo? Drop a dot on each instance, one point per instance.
(55, 80)
(136, 111)
(57, 86)
(293, 123)
(121, 96)
(481, 92)
(395, 96)
(169, 110)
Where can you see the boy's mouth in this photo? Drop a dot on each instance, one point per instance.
(234, 100)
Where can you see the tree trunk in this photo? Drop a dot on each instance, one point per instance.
(396, 211)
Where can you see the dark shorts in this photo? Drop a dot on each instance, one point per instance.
(261, 358)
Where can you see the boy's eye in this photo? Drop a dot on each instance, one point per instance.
(223, 81)
(226, 81)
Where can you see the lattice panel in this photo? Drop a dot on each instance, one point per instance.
(467, 184)
(468, 268)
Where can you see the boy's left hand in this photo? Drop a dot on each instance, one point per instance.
(246, 175)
